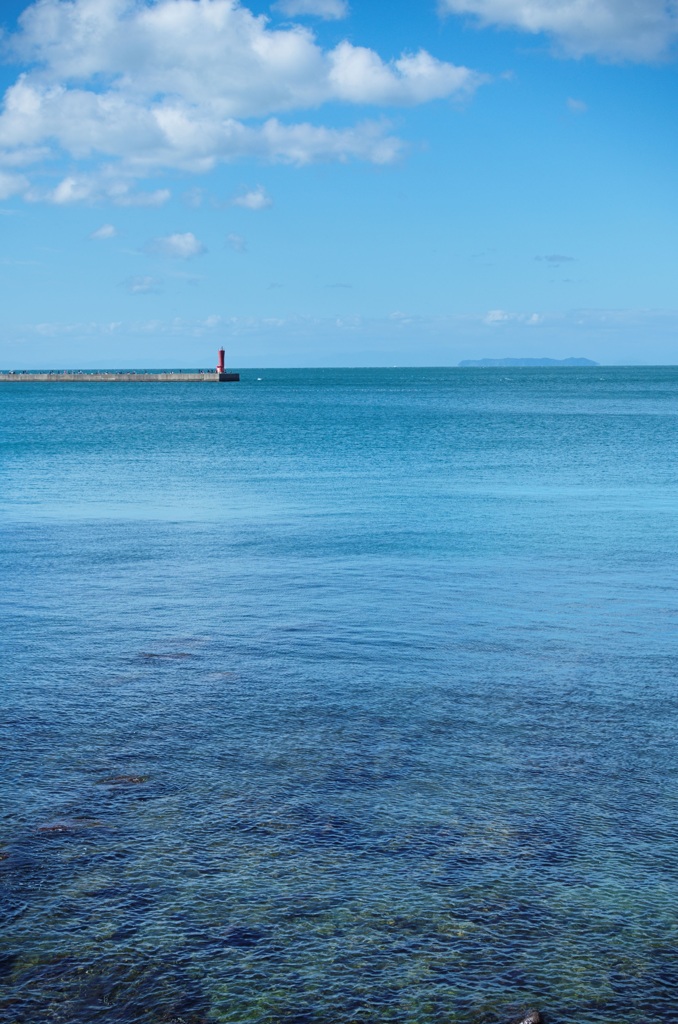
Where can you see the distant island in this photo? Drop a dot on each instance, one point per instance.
(528, 362)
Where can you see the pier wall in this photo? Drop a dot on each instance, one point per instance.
(132, 378)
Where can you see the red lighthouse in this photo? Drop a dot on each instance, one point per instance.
(221, 369)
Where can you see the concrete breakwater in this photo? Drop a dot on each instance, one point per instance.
(219, 375)
(68, 376)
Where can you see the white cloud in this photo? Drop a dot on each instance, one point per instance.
(254, 199)
(23, 157)
(359, 75)
(12, 184)
(104, 232)
(142, 285)
(178, 246)
(606, 335)
(329, 10)
(576, 106)
(122, 196)
(495, 317)
(71, 190)
(635, 30)
(175, 84)
(107, 184)
(237, 242)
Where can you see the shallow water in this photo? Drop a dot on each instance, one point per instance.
(340, 696)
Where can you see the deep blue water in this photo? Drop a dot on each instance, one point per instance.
(340, 696)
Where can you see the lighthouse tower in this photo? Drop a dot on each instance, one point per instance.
(222, 375)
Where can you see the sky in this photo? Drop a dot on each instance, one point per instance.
(337, 182)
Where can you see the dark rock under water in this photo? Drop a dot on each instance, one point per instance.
(445, 796)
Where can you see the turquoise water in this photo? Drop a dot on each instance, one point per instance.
(340, 696)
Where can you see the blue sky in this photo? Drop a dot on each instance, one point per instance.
(323, 183)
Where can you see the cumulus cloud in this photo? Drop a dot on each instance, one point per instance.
(71, 190)
(141, 87)
(634, 30)
(178, 246)
(328, 10)
(104, 232)
(106, 184)
(254, 199)
(359, 75)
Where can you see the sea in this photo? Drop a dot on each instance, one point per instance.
(340, 697)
